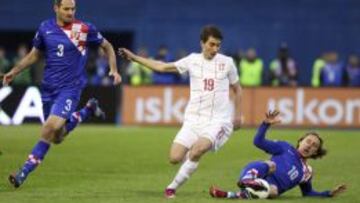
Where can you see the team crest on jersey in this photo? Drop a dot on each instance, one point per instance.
(77, 33)
(221, 66)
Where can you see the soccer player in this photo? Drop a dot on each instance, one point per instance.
(64, 43)
(208, 122)
(286, 169)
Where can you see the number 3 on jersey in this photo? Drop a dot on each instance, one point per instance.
(68, 105)
(208, 84)
(60, 50)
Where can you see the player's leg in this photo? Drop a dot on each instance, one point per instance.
(274, 192)
(178, 153)
(56, 112)
(256, 169)
(213, 137)
(53, 126)
(189, 166)
(242, 194)
(200, 147)
(67, 103)
(219, 193)
(92, 108)
(40, 148)
(183, 141)
(253, 170)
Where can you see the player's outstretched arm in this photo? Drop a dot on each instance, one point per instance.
(29, 59)
(152, 64)
(109, 51)
(269, 146)
(307, 190)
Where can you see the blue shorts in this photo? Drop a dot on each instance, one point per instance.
(272, 181)
(60, 102)
(254, 169)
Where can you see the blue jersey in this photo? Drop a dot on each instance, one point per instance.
(291, 169)
(65, 50)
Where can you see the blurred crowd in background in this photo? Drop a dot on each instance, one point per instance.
(329, 70)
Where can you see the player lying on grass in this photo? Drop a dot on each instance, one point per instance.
(286, 169)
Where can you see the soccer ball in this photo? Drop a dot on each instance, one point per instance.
(259, 194)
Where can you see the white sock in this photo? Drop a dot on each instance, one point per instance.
(184, 173)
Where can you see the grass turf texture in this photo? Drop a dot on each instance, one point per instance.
(129, 164)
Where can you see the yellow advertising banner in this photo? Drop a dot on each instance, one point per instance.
(300, 107)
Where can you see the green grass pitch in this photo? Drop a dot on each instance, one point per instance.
(129, 164)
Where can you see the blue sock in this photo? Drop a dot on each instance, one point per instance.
(256, 169)
(37, 155)
(78, 117)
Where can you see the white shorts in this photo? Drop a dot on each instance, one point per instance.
(218, 133)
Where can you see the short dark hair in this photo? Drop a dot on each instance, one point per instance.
(321, 151)
(210, 30)
(57, 2)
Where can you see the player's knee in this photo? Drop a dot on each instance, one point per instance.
(57, 140)
(49, 132)
(197, 152)
(273, 192)
(175, 159)
(272, 166)
(59, 136)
